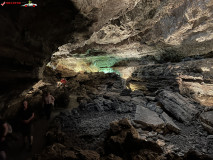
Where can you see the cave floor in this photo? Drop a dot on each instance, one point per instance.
(87, 126)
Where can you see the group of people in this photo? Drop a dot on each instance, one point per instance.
(26, 118)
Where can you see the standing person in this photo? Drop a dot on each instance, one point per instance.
(3, 133)
(48, 104)
(27, 115)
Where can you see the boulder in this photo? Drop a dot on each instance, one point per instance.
(147, 118)
(123, 139)
(177, 105)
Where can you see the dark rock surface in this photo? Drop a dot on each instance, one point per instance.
(28, 39)
(148, 118)
(87, 126)
(123, 141)
(178, 106)
(191, 78)
(148, 37)
(207, 121)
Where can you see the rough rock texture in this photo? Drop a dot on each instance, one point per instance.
(102, 11)
(29, 37)
(178, 106)
(191, 77)
(127, 28)
(124, 139)
(132, 31)
(177, 26)
(210, 143)
(207, 121)
(100, 102)
(123, 142)
(185, 26)
(169, 123)
(148, 118)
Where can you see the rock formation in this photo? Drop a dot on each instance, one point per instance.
(129, 28)
(139, 76)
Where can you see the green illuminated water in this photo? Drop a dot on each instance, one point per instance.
(103, 63)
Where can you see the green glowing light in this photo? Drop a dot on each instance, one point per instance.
(103, 63)
(106, 70)
(91, 61)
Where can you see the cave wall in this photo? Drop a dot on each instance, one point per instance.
(28, 36)
(128, 28)
(184, 26)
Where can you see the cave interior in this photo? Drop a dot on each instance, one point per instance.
(131, 79)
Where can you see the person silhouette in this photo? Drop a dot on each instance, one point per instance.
(27, 115)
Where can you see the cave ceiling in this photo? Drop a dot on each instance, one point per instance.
(121, 29)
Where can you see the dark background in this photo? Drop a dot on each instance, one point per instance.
(28, 37)
(16, 5)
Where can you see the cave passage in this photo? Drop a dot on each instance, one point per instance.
(131, 79)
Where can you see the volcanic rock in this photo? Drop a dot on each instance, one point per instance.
(178, 106)
(207, 121)
(148, 118)
(170, 124)
(124, 139)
